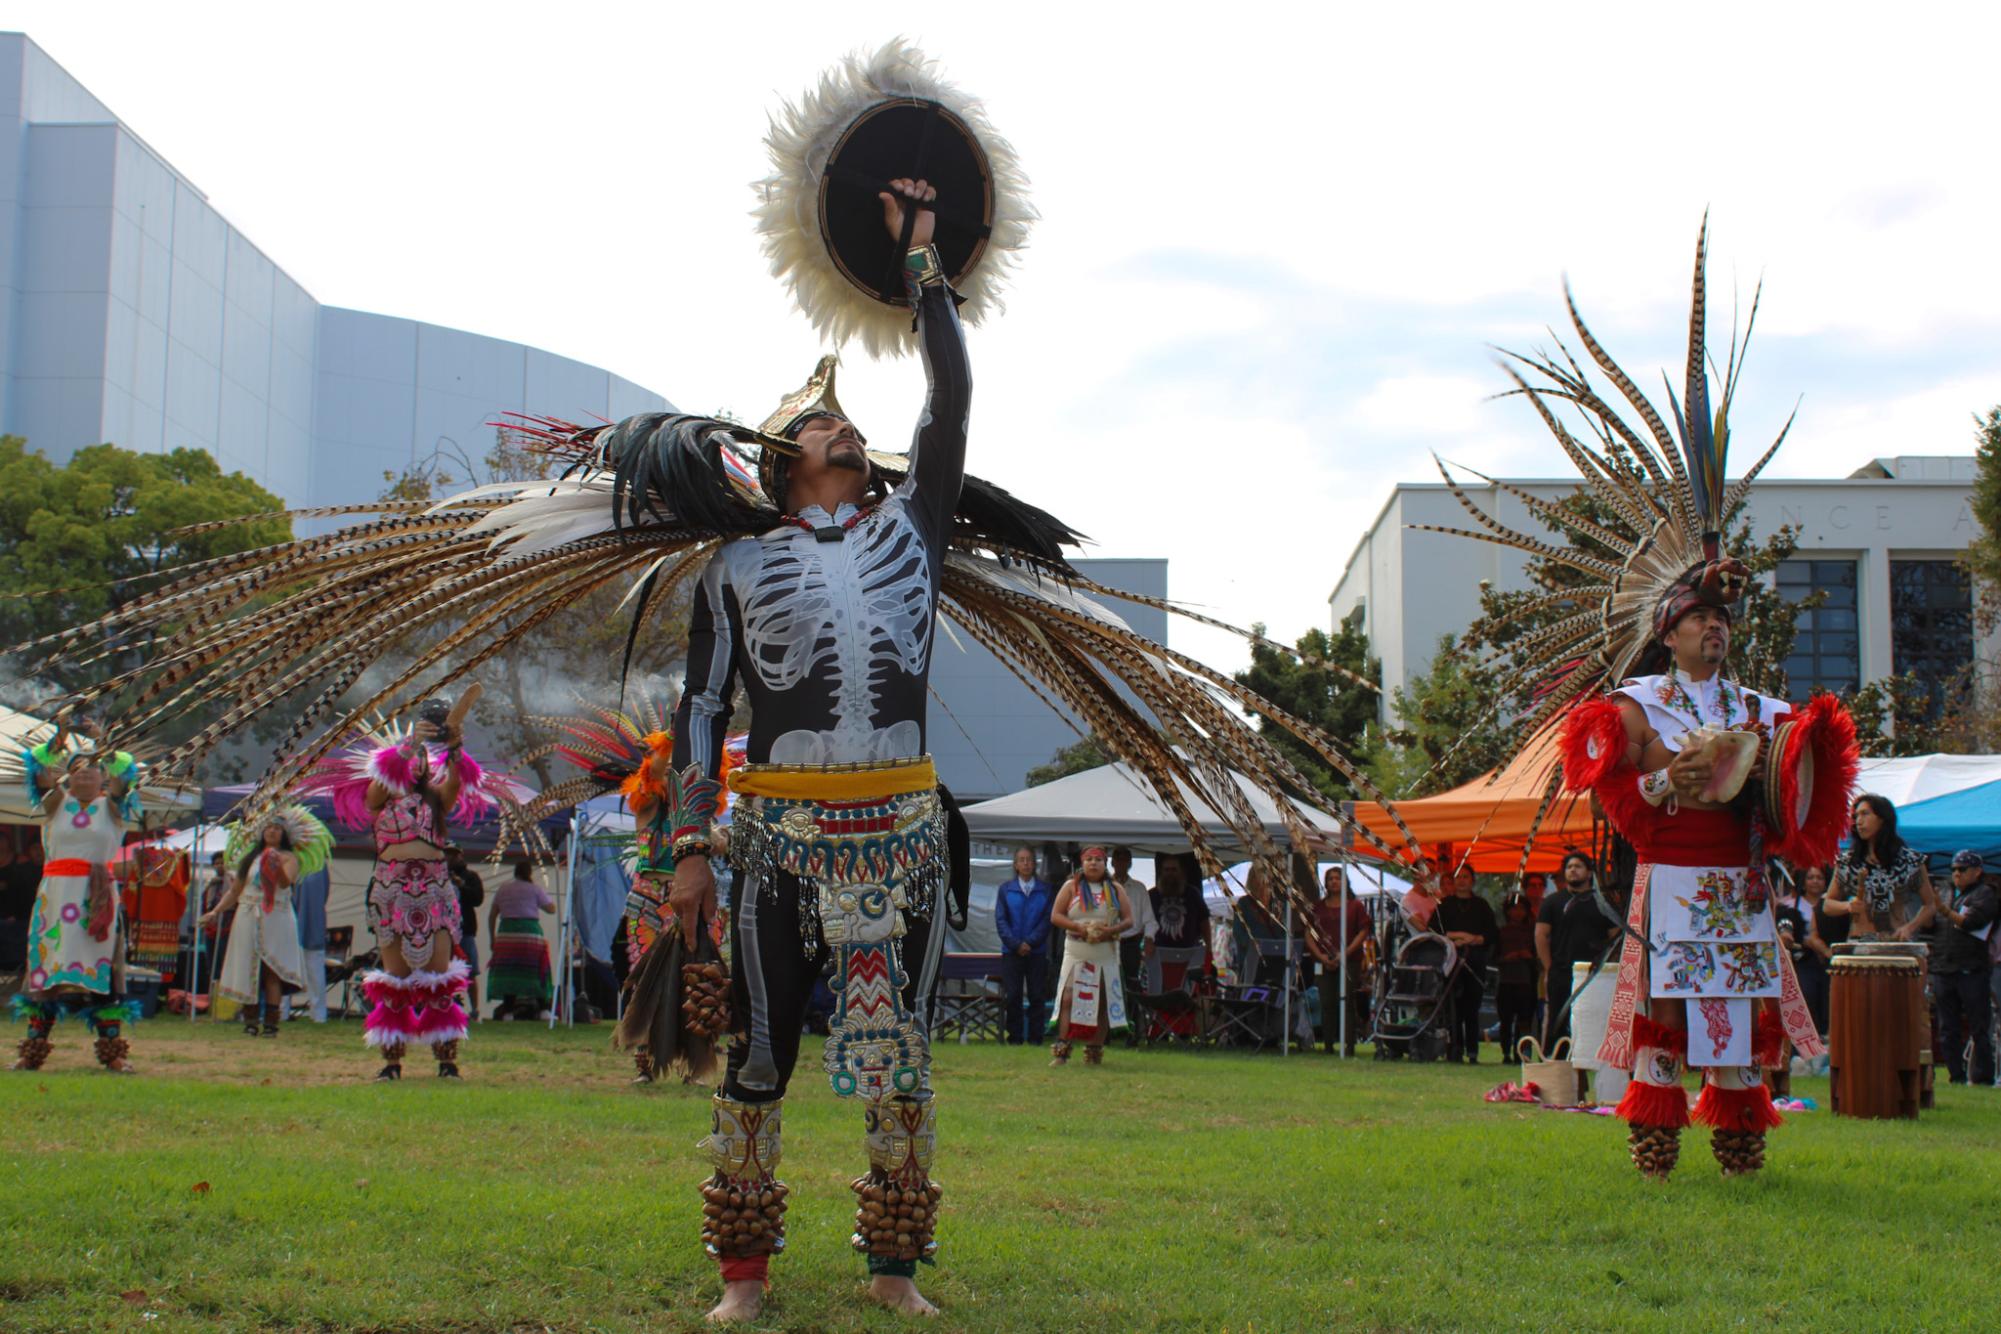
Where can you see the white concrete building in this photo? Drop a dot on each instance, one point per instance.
(132, 312)
(1883, 542)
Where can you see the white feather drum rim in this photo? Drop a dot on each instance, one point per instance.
(802, 139)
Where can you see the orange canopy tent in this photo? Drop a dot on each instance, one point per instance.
(1492, 815)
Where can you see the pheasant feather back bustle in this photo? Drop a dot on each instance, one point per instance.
(298, 626)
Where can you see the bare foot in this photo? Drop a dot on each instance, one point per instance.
(742, 1300)
(900, 1295)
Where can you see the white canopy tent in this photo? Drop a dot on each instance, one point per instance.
(1113, 804)
(1365, 880)
(1906, 779)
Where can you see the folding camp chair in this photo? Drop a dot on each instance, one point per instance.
(1167, 1017)
(969, 998)
(341, 969)
(1252, 1017)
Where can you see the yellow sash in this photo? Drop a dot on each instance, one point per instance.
(835, 782)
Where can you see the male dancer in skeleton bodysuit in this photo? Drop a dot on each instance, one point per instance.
(827, 621)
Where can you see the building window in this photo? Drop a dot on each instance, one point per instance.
(1827, 649)
(1931, 624)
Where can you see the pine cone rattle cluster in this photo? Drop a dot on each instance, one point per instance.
(895, 1221)
(32, 1053)
(705, 999)
(1655, 1150)
(743, 1218)
(1738, 1152)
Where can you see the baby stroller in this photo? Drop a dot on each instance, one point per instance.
(1416, 993)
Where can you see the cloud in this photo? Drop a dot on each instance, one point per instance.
(1271, 263)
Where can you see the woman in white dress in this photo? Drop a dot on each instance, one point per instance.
(264, 959)
(1090, 998)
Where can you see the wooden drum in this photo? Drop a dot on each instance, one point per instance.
(1877, 1024)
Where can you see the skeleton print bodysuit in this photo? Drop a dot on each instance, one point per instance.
(833, 638)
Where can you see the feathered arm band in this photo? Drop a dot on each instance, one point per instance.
(690, 801)
(1814, 765)
(395, 767)
(1594, 745)
(473, 798)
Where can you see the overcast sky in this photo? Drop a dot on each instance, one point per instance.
(1276, 241)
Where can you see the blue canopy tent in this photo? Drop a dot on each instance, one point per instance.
(599, 883)
(1970, 818)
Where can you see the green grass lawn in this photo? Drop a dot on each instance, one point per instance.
(1167, 1190)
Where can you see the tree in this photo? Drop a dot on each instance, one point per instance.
(1452, 725)
(1983, 554)
(1075, 758)
(77, 541)
(1331, 682)
(577, 655)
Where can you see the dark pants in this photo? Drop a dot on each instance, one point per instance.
(1330, 1005)
(1468, 988)
(1812, 971)
(1556, 996)
(1965, 1015)
(1515, 1004)
(1132, 965)
(1025, 983)
(769, 986)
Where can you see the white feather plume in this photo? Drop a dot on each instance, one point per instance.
(803, 136)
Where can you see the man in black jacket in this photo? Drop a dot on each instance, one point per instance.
(1961, 969)
(1467, 920)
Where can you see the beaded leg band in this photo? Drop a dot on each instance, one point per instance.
(743, 1201)
(448, 1058)
(898, 1216)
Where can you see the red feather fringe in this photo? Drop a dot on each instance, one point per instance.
(1618, 794)
(1827, 732)
(1737, 1109)
(1652, 1033)
(1593, 742)
(1652, 1105)
(1768, 1038)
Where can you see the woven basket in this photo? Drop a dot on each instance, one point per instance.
(1557, 1082)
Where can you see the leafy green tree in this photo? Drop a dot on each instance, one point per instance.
(1983, 554)
(1331, 682)
(1075, 758)
(1448, 728)
(80, 539)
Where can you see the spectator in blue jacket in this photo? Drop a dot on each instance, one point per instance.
(1021, 912)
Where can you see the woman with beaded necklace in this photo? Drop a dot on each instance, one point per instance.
(1880, 882)
(1090, 999)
